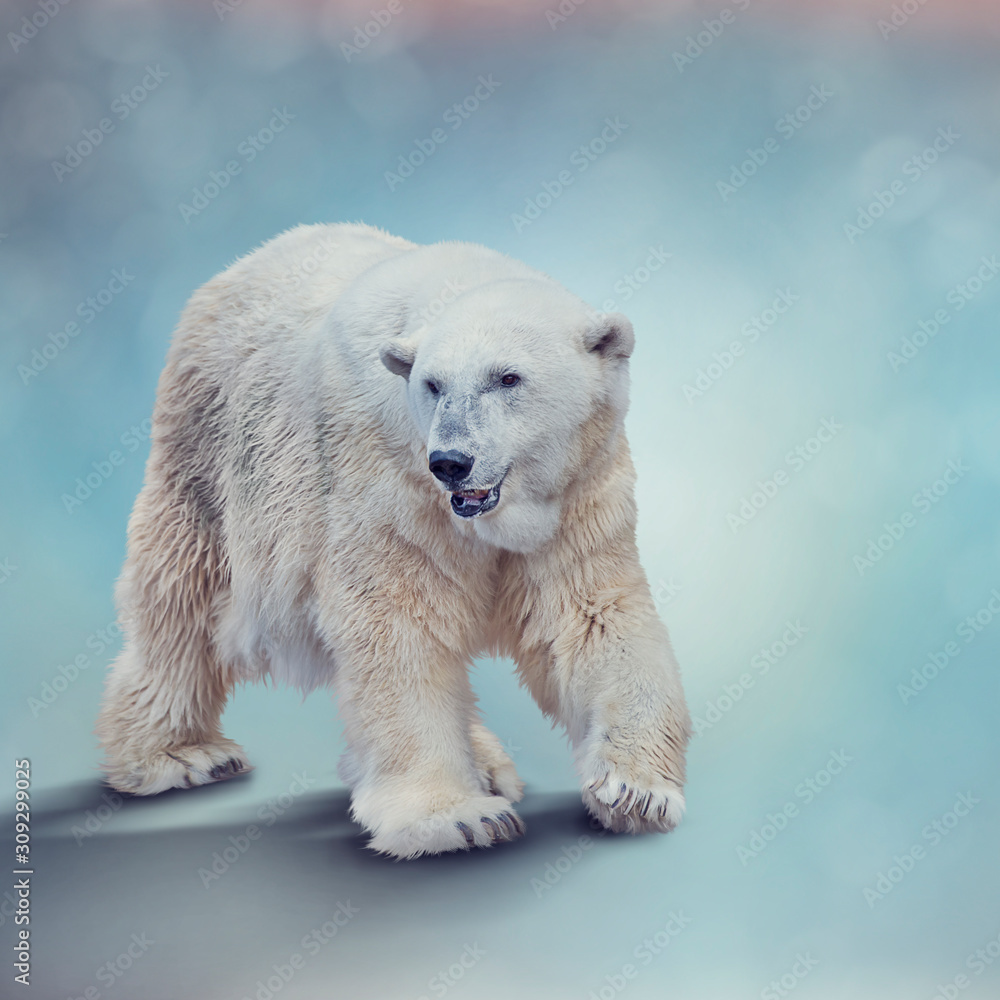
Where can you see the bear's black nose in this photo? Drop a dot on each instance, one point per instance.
(451, 467)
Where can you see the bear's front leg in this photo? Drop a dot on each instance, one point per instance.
(631, 755)
(413, 760)
(603, 665)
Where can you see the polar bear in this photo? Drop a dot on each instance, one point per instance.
(372, 461)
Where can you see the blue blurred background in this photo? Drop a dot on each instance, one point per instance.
(799, 209)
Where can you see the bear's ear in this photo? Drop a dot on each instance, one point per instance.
(610, 337)
(398, 356)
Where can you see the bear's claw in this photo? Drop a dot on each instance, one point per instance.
(627, 807)
(505, 826)
(179, 767)
(514, 822)
(227, 770)
(481, 821)
(495, 834)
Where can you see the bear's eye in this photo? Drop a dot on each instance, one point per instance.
(510, 379)
(432, 388)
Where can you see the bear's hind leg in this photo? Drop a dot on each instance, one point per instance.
(157, 736)
(496, 768)
(159, 723)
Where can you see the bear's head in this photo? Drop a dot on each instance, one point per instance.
(518, 389)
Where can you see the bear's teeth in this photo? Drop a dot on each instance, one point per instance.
(472, 494)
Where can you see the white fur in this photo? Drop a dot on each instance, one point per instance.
(289, 527)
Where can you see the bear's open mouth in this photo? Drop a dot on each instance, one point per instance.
(469, 503)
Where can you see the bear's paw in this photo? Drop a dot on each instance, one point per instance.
(178, 767)
(629, 803)
(474, 822)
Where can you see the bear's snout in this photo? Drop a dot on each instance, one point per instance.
(451, 467)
